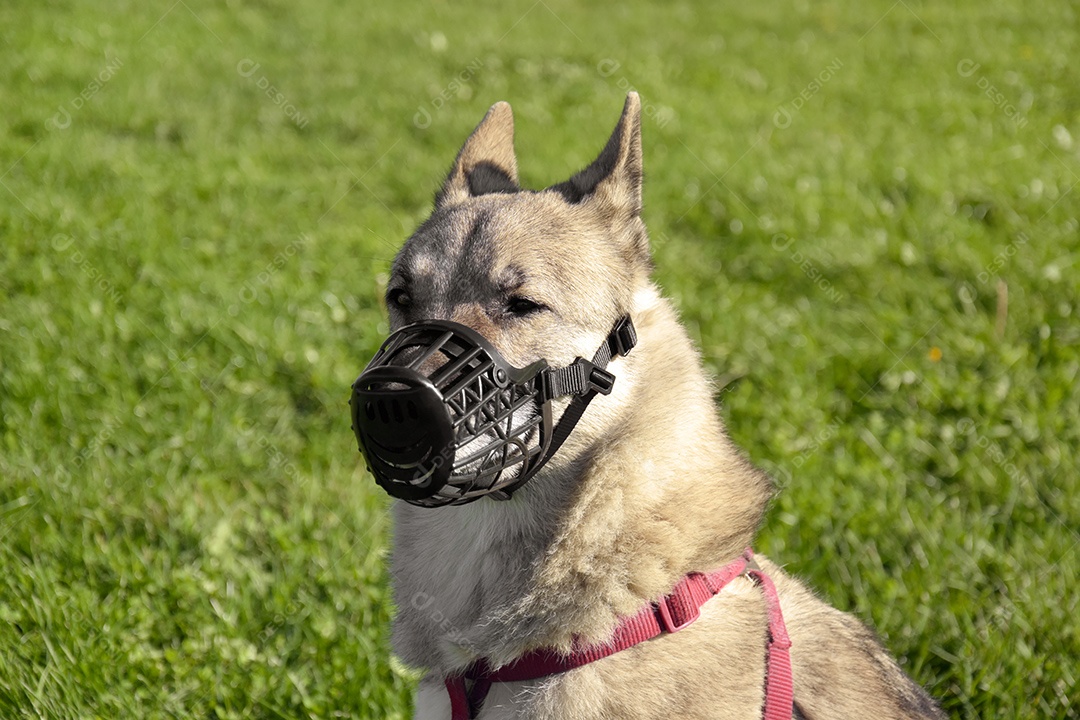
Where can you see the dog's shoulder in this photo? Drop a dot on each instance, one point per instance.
(839, 665)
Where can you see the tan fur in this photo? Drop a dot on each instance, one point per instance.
(647, 488)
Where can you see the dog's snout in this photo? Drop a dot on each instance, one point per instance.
(473, 316)
(431, 365)
(421, 359)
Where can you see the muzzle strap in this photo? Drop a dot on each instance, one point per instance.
(577, 378)
(582, 379)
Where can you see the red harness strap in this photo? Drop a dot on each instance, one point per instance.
(671, 614)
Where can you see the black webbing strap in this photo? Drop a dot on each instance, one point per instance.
(570, 380)
(581, 376)
(582, 379)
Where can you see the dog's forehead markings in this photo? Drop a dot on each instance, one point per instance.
(450, 256)
(510, 277)
(423, 264)
(494, 244)
(477, 239)
(428, 255)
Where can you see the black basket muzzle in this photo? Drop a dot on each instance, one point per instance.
(443, 419)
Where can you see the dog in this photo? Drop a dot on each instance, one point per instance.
(646, 490)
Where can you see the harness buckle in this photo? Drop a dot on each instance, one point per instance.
(667, 619)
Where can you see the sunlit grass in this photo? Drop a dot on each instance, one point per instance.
(866, 215)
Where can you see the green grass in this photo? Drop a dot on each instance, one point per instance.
(190, 273)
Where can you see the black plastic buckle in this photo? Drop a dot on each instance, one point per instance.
(623, 338)
(578, 378)
(599, 380)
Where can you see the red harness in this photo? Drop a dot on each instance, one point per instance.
(671, 614)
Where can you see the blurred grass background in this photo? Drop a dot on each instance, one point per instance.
(866, 214)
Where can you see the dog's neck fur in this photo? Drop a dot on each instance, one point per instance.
(663, 494)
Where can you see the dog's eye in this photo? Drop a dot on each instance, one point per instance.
(523, 306)
(398, 298)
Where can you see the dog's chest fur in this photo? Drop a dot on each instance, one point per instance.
(463, 564)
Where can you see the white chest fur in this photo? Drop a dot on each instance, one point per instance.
(452, 567)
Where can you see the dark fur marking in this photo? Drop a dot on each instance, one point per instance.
(462, 274)
(486, 178)
(468, 278)
(584, 183)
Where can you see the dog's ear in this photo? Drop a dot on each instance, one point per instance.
(486, 162)
(612, 183)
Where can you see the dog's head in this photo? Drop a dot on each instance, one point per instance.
(448, 414)
(540, 274)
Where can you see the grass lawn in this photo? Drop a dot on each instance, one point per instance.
(866, 213)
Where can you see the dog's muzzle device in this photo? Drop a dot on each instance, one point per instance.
(443, 419)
